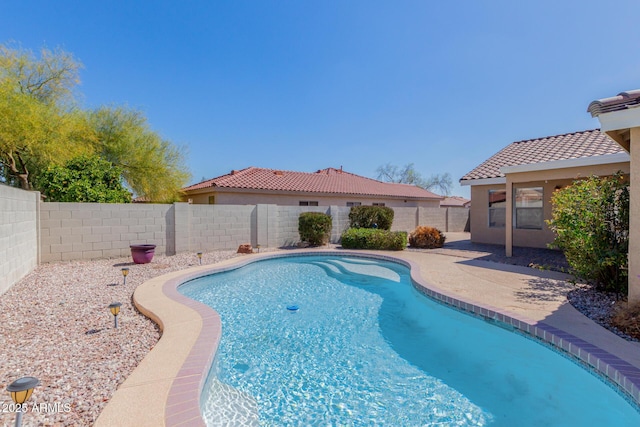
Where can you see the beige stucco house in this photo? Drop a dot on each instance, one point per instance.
(325, 187)
(619, 118)
(511, 191)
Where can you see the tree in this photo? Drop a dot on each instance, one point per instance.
(151, 166)
(41, 127)
(591, 222)
(408, 175)
(38, 125)
(84, 179)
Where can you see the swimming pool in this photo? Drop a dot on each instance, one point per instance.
(365, 348)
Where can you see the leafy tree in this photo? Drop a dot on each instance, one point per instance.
(151, 166)
(591, 222)
(84, 179)
(40, 127)
(408, 175)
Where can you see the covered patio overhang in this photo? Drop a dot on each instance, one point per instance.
(619, 118)
(559, 171)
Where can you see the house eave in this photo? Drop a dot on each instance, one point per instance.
(484, 181)
(568, 163)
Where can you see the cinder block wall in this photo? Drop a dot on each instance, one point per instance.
(101, 230)
(434, 217)
(221, 226)
(405, 219)
(33, 232)
(458, 219)
(18, 234)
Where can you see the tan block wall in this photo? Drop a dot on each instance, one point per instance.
(73, 231)
(18, 234)
(100, 230)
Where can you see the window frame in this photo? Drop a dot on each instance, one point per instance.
(517, 209)
(496, 208)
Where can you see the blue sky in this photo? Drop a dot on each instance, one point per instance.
(305, 85)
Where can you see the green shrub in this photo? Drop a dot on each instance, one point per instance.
(380, 217)
(370, 238)
(314, 227)
(84, 179)
(591, 222)
(426, 237)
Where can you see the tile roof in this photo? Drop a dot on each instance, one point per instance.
(330, 180)
(573, 145)
(622, 101)
(454, 201)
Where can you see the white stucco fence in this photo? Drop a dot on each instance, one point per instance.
(32, 232)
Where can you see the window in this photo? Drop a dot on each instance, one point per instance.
(497, 207)
(353, 203)
(307, 203)
(528, 214)
(377, 204)
(212, 200)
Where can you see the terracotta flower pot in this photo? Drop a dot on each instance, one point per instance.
(142, 254)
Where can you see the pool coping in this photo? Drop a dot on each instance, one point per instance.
(165, 388)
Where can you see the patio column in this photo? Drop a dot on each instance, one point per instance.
(634, 216)
(508, 225)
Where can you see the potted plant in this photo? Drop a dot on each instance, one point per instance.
(142, 254)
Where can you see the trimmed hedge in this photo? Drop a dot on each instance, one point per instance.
(371, 238)
(379, 217)
(314, 227)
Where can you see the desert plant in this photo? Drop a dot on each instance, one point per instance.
(426, 237)
(370, 238)
(591, 222)
(314, 227)
(371, 217)
(627, 318)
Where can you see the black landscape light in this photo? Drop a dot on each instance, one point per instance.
(115, 310)
(21, 390)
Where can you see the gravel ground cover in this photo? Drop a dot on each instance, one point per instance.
(55, 326)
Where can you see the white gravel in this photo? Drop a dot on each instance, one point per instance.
(55, 326)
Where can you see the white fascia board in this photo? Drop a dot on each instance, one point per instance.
(568, 163)
(484, 181)
(618, 120)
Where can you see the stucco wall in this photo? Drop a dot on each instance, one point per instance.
(286, 199)
(549, 180)
(18, 234)
(479, 216)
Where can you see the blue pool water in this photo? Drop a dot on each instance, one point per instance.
(364, 348)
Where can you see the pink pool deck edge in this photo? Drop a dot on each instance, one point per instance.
(165, 389)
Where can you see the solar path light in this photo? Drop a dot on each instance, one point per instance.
(125, 273)
(200, 257)
(21, 390)
(115, 310)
